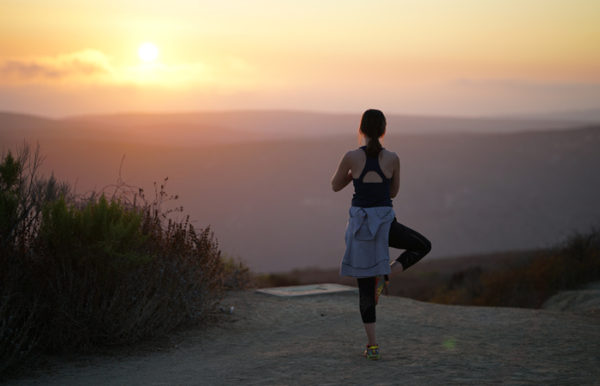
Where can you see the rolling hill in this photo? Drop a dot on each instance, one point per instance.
(261, 179)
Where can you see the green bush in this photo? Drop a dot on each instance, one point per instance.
(82, 272)
(23, 193)
(100, 233)
(9, 199)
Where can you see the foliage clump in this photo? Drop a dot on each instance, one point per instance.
(82, 272)
(528, 282)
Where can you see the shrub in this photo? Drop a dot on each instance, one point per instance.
(20, 316)
(275, 280)
(83, 272)
(532, 281)
(22, 196)
(237, 275)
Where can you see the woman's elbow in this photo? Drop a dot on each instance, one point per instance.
(337, 185)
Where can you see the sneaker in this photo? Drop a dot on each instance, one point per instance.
(372, 353)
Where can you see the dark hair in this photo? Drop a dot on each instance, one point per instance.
(372, 124)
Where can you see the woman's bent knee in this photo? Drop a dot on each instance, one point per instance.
(426, 246)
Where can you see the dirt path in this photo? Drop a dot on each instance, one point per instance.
(319, 340)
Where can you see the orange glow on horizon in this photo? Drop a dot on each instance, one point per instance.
(280, 53)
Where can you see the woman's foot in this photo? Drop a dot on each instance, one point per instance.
(372, 352)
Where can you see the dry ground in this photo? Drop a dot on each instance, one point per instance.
(319, 340)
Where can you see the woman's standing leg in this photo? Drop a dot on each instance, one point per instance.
(366, 294)
(415, 244)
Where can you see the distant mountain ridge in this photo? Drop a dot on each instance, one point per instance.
(269, 200)
(240, 126)
(582, 116)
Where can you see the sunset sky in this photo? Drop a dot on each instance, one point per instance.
(462, 57)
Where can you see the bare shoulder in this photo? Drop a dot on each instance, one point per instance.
(389, 155)
(354, 154)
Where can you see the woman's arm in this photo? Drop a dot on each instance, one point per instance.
(395, 186)
(343, 175)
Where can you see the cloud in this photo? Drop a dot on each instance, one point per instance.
(89, 67)
(80, 64)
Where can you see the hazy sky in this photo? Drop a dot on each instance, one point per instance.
(470, 57)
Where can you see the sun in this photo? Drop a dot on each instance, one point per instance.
(148, 52)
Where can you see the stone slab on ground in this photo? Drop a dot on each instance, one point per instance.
(307, 290)
(585, 300)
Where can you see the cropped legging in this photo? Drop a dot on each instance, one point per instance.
(416, 246)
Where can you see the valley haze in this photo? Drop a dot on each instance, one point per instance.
(261, 179)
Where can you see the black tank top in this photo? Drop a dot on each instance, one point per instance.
(370, 194)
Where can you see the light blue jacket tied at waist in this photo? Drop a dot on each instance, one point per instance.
(367, 236)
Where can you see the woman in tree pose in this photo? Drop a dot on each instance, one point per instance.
(372, 227)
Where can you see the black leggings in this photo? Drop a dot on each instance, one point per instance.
(416, 246)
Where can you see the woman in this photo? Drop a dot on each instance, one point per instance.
(372, 227)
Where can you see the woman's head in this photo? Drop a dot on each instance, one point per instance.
(372, 125)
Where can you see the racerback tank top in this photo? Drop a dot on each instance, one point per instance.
(371, 194)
